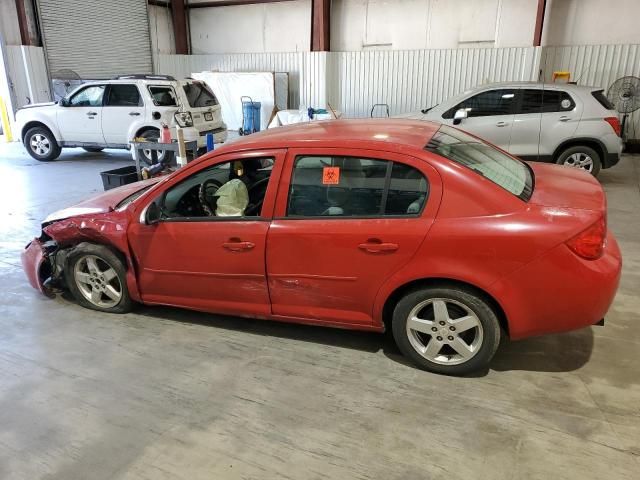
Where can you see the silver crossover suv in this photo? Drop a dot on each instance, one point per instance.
(563, 123)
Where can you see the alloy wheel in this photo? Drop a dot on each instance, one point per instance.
(580, 160)
(444, 331)
(40, 144)
(97, 281)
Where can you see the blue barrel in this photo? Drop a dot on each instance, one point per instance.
(251, 115)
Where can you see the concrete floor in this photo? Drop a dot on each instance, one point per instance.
(169, 394)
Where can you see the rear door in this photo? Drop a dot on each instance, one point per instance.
(123, 106)
(544, 118)
(490, 115)
(81, 120)
(345, 220)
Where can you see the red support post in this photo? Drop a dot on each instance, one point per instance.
(179, 18)
(537, 33)
(320, 25)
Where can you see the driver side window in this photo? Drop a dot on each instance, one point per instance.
(88, 97)
(231, 189)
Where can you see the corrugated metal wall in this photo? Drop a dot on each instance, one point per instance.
(597, 65)
(353, 81)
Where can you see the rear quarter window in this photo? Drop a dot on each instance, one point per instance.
(512, 175)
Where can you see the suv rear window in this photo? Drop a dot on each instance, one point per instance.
(199, 95)
(507, 172)
(602, 99)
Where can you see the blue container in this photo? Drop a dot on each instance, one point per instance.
(251, 117)
(210, 142)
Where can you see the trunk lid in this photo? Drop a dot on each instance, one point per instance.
(566, 187)
(205, 109)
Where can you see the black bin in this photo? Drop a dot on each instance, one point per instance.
(118, 177)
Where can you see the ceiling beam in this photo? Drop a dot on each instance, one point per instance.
(320, 25)
(179, 20)
(537, 32)
(231, 3)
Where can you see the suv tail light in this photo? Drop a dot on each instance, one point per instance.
(589, 243)
(615, 124)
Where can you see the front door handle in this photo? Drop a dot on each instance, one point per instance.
(92, 113)
(238, 246)
(134, 114)
(378, 247)
(564, 119)
(502, 124)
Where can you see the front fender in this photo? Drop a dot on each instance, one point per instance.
(27, 117)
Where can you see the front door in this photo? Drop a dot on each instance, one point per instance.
(208, 251)
(345, 221)
(81, 119)
(123, 106)
(490, 115)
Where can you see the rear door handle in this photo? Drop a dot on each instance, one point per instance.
(375, 247)
(92, 113)
(134, 114)
(502, 124)
(564, 119)
(238, 246)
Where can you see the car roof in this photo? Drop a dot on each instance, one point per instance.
(563, 86)
(382, 134)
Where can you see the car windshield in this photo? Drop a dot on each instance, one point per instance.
(199, 95)
(511, 174)
(133, 196)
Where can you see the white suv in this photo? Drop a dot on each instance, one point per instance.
(111, 113)
(562, 123)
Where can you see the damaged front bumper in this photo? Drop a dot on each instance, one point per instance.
(38, 262)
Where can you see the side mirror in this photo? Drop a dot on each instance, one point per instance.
(154, 213)
(63, 102)
(460, 115)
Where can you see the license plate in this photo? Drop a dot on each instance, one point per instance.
(208, 116)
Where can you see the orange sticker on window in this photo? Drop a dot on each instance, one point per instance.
(331, 175)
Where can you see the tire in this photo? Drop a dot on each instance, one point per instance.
(41, 144)
(93, 149)
(153, 135)
(584, 158)
(89, 272)
(478, 341)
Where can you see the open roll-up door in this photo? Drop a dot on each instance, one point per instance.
(96, 39)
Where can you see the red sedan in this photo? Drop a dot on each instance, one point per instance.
(367, 225)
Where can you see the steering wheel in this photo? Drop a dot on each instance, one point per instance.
(258, 188)
(206, 195)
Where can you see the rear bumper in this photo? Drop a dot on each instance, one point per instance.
(33, 259)
(560, 291)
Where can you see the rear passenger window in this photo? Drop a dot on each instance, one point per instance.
(163, 96)
(546, 101)
(354, 187)
(121, 95)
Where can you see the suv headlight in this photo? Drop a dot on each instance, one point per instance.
(184, 119)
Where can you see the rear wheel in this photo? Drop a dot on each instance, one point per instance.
(448, 330)
(153, 135)
(97, 279)
(582, 157)
(41, 144)
(93, 149)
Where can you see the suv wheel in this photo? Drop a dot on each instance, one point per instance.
(448, 330)
(41, 144)
(163, 156)
(581, 157)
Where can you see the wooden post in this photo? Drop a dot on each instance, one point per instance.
(320, 25)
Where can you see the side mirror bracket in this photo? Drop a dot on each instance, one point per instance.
(460, 115)
(153, 213)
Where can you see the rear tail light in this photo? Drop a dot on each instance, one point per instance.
(589, 243)
(615, 124)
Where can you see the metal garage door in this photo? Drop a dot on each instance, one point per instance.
(96, 39)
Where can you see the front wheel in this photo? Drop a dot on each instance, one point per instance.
(41, 144)
(584, 158)
(97, 279)
(448, 330)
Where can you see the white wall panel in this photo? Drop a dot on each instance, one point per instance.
(27, 75)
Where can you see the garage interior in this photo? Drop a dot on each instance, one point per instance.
(165, 393)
